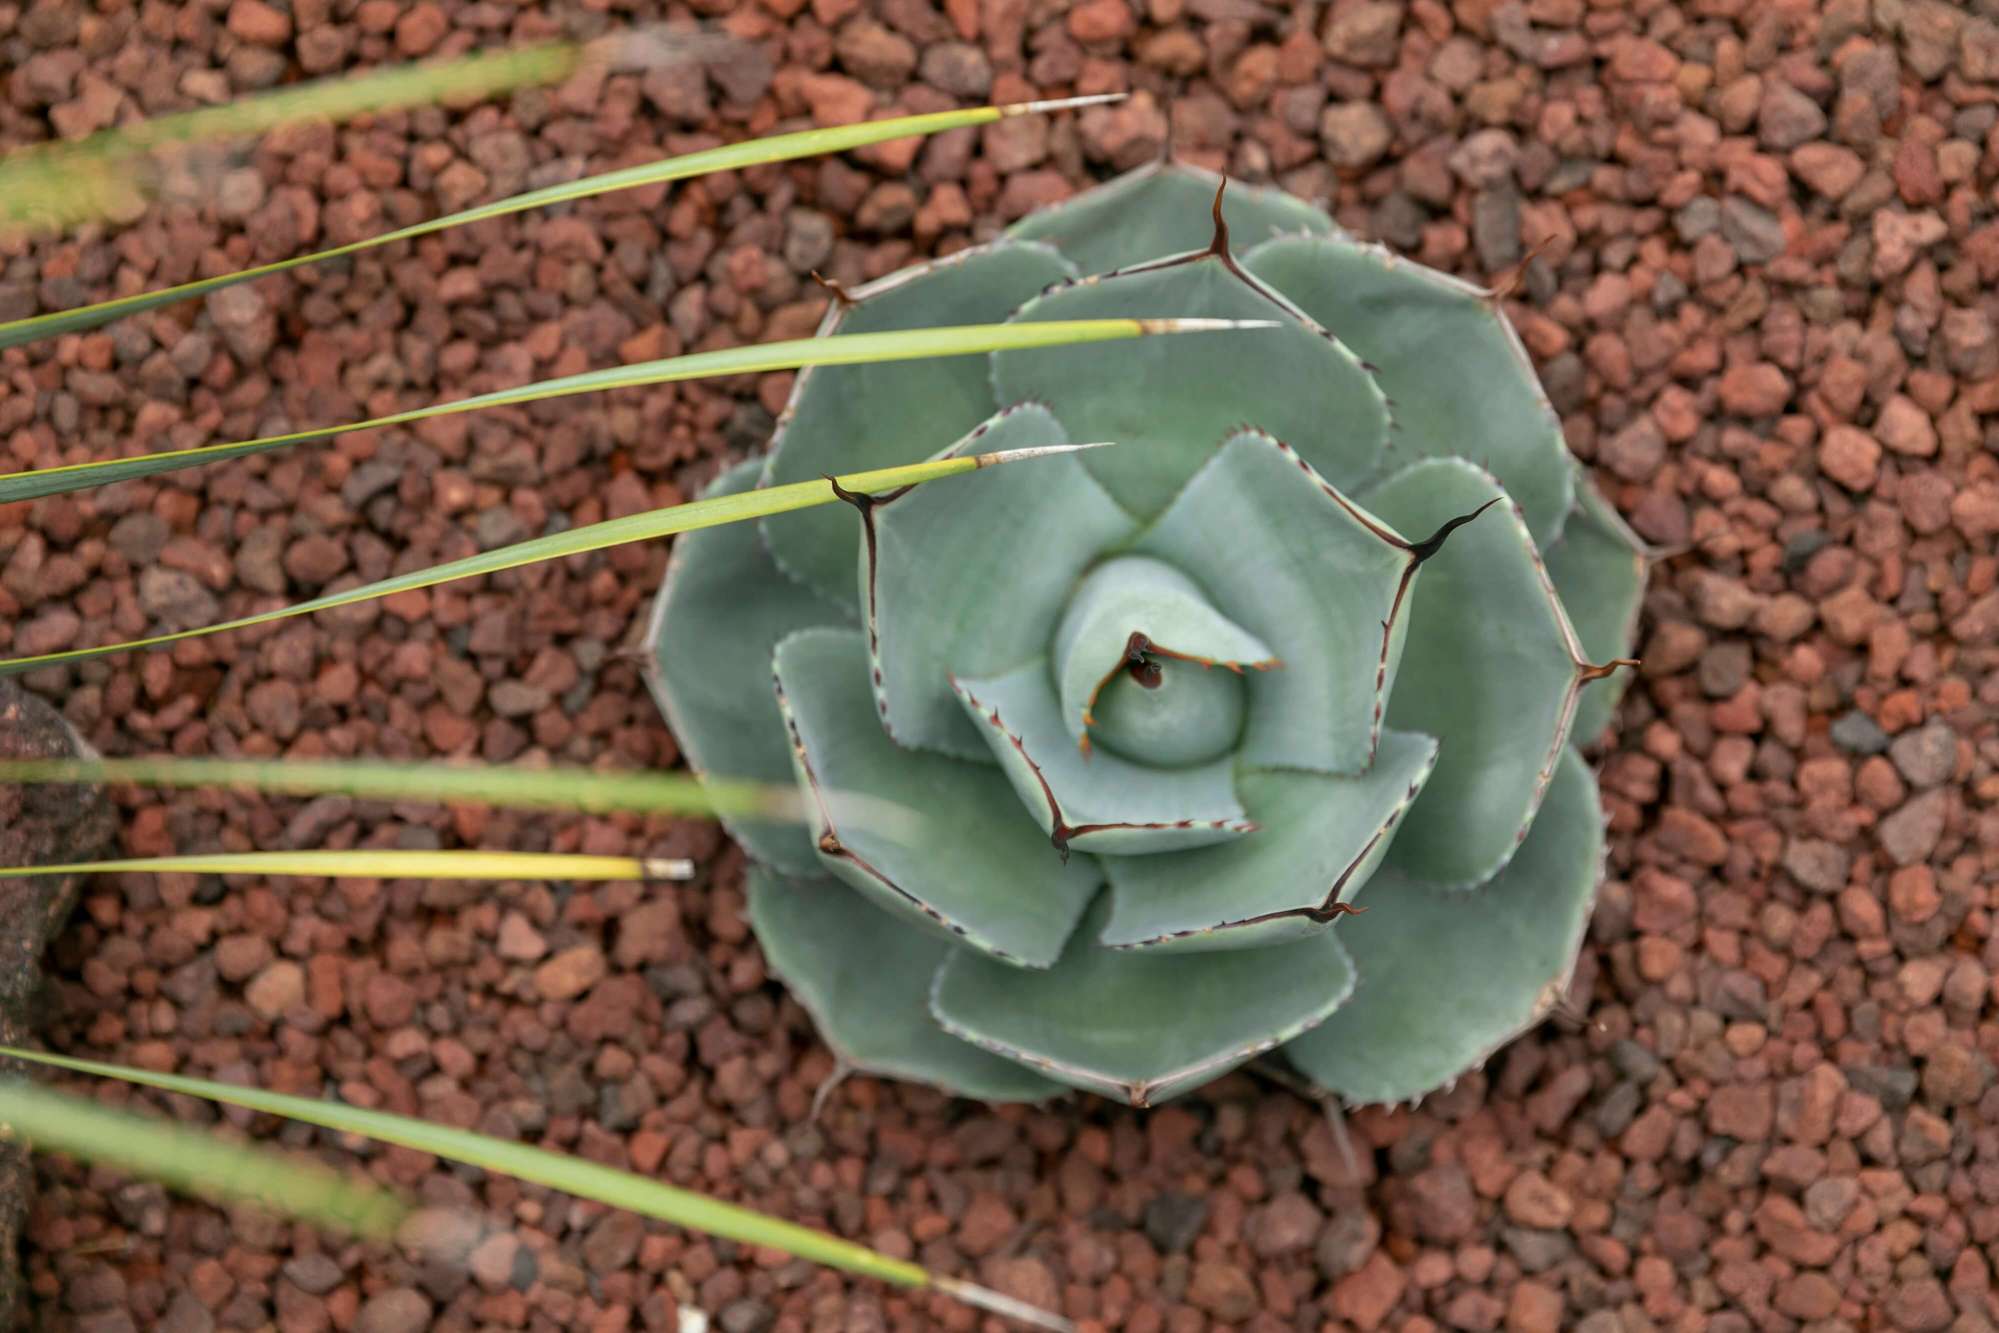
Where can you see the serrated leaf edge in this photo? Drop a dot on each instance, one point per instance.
(1139, 1092)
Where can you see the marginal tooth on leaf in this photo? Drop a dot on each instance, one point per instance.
(1049, 104)
(1336, 1120)
(832, 285)
(1516, 273)
(1560, 1006)
(1589, 671)
(842, 1071)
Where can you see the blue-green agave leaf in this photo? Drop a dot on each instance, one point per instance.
(1447, 977)
(1322, 581)
(1164, 209)
(967, 862)
(1599, 567)
(1168, 406)
(843, 418)
(1460, 381)
(1492, 670)
(1138, 604)
(1098, 802)
(1146, 1026)
(865, 976)
(973, 579)
(717, 619)
(1318, 839)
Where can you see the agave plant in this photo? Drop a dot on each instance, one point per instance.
(227, 1171)
(1316, 640)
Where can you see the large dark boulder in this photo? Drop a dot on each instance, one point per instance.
(38, 825)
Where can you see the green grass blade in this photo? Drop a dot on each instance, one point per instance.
(580, 790)
(55, 186)
(196, 1162)
(593, 537)
(838, 350)
(754, 152)
(585, 791)
(538, 1166)
(371, 863)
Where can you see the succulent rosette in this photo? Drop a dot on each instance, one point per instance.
(1127, 766)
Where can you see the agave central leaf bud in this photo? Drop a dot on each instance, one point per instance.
(1168, 716)
(1127, 658)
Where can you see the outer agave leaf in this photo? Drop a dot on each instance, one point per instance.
(974, 579)
(1168, 405)
(1491, 670)
(1448, 977)
(1461, 382)
(1163, 209)
(1142, 1027)
(865, 976)
(1099, 803)
(1315, 576)
(969, 865)
(717, 619)
(1166, 609)
(1318, 840)
(842, 417)
(1598, 567)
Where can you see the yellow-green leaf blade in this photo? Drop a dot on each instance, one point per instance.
(754, 152)
(538, 1166)
(576, 541)
(581, 790)
(195, 1162)
(63, 184)
(585, 791)
(791, 354)
(383, 863)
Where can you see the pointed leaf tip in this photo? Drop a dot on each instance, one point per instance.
(1589, 671)
(1430, 545)
(1195, 324)
(1037, 451)
(985, 1298)
(1059, 104)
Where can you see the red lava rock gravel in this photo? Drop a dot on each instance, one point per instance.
(1763, 244)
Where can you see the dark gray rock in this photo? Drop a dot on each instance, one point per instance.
(38, 825)
(1857, 733)
(1173, 1220)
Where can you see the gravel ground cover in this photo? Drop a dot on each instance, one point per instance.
(1752, 247)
